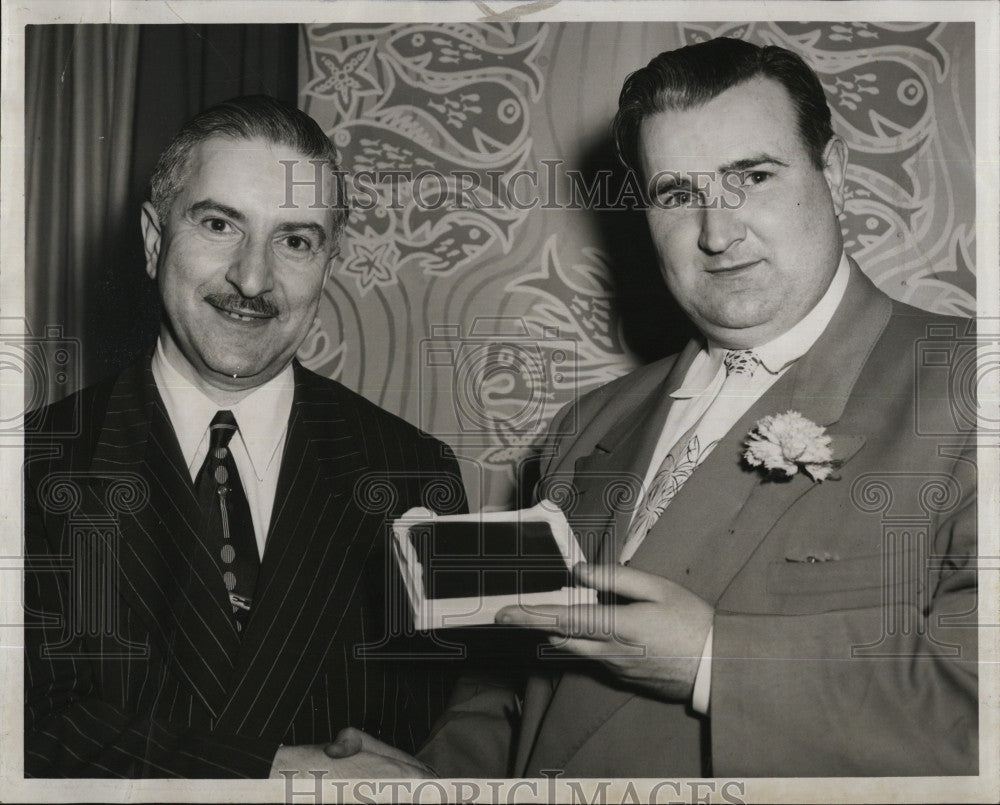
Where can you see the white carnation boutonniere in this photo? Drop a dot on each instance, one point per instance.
(785, 443)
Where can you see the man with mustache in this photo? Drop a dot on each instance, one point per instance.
(791, 589)
(224, 618)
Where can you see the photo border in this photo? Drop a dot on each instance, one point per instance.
(15, 16)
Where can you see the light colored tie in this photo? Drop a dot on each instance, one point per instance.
(686, 454)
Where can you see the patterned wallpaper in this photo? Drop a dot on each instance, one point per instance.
(489, 274)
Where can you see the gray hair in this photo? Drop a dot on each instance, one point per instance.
(247, 117)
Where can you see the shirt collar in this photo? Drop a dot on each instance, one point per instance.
(778, 353)
(262, 416)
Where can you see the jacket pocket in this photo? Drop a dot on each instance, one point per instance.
(854, 582)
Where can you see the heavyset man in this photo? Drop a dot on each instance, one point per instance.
(758, 616)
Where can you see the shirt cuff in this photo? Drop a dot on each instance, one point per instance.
(703, 679)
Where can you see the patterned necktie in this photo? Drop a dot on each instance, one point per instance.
(226, 523)
(740, 362)
(686, 454)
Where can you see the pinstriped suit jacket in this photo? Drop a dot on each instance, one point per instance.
(133, 666)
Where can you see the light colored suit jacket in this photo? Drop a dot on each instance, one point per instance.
(845, 626)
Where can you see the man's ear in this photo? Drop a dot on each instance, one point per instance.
(835, 170)
(328, 270)
(151, 237)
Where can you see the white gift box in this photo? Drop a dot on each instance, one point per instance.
(460, 570)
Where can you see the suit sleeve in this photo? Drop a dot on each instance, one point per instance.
(832, 701)
(477, 734)
(474, 736)
(72, 729)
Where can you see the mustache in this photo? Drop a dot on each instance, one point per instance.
(257, 305)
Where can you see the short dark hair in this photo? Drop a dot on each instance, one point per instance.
(692, 75)
(247, 117)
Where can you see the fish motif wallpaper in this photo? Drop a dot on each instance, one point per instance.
(494, 265)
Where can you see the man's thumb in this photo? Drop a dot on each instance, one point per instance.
(346, 744)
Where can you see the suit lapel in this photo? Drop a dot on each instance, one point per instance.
(596, 475)
(314, 554)
(554, 704)
(167, 574)
(703, 537)
(703, 547)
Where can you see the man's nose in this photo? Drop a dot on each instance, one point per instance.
(251, 270)
(720, 229)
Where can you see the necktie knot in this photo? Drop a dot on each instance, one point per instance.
(740, 362)
(221, 430)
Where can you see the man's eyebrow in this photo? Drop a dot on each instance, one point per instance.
(668, 180)
(208, 205)
(310, 226)
(749, 163)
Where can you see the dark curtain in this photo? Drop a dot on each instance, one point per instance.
(79, 96)
(179, 70)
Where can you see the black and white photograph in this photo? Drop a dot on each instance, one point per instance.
(500, 402)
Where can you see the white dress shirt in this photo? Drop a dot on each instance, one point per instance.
(699, 396)
(262, 417)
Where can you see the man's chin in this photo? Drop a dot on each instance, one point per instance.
(737, 329)
(736, 317)
(231, 374)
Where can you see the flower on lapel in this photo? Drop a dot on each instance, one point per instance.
(785, 443)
